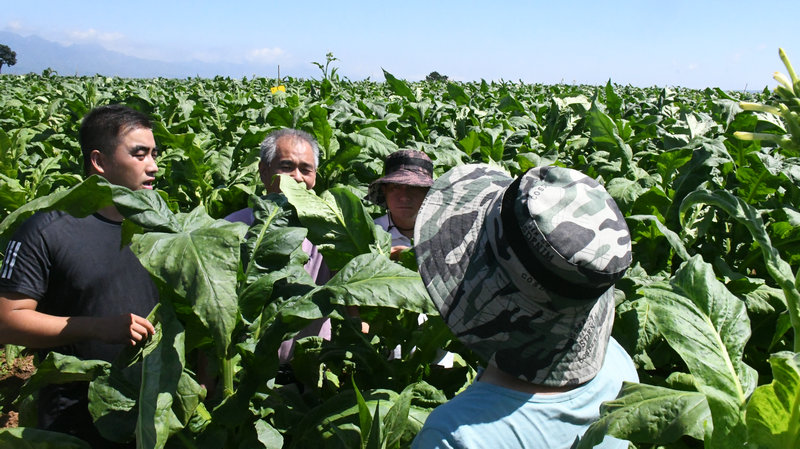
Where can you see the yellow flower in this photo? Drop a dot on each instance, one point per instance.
(281, 88)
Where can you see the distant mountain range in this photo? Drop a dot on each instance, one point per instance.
(35, 54)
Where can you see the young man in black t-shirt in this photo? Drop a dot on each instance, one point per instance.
(67, 284)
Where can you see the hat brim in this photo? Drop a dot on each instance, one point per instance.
(403, 177)
(529, 332)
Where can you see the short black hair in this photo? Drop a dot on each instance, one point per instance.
(103, 126)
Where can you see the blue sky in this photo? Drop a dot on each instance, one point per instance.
(697, 44)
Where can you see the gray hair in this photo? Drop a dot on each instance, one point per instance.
(270, 144)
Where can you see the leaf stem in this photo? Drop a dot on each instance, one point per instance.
(227, 377)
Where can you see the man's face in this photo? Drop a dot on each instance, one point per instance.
(293, 157)
(133, 163)
(403, 202)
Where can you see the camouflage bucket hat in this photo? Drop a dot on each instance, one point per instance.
(407, 167)
(522, 271)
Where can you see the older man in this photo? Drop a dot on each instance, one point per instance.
(294, 153)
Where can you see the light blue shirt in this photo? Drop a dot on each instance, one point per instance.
(490, 416)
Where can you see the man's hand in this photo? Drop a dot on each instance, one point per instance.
(396, 250)
(125, 329)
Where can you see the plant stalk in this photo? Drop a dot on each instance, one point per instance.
(793, 301)
(227, 377)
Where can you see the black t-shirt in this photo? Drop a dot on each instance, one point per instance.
(77, 267)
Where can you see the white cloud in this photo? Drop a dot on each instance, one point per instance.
(14, 27)
(113, 41)
(18, 27)
(264, 55)
(92, 35)
(204, 55)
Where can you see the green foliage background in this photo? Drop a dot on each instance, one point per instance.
(714, 218)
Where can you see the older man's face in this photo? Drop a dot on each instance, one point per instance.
(293, 157)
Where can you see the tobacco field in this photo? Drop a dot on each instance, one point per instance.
(709, 182)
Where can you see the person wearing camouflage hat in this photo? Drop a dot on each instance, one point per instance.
(522, 271)
(407, 176)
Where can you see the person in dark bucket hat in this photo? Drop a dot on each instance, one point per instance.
(523, 271)
(407, 176)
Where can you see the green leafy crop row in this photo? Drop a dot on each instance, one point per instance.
(709, 184)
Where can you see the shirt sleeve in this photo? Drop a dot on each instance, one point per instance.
(26, 264)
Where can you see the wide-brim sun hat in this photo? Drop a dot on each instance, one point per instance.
(406, 167)
(522, 271)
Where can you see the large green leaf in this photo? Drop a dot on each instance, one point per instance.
(674, 239)
(756, 182)
(649, 414)
(457, 94)
(198, 264)
(372, 142)
(342, 412)
(267, 435)
(268, 213)
(12, 194)
(399, 87)
(374, 280)
(280, 256)
(29, 438)
(709, 162)
(59, 369)
(322, 128)
(605, 135)
(79, 201)
(336, 221)
(708, 327)
(161, 373)
(145, 208)
(112, 404)
(773, 412)
(613, 101)
(626, 191)
(747, 215)
(396, 421)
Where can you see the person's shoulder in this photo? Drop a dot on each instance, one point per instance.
(448, 425)
(618, 363)
(447, 417)
(431, 438)
(439, 427)
(241, 216)
(382, 221)
(42, 220)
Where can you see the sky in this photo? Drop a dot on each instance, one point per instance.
(728, 44)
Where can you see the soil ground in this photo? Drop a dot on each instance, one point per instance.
(12, 375)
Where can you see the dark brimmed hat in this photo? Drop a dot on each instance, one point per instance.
(522, 271)
(407, 167)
